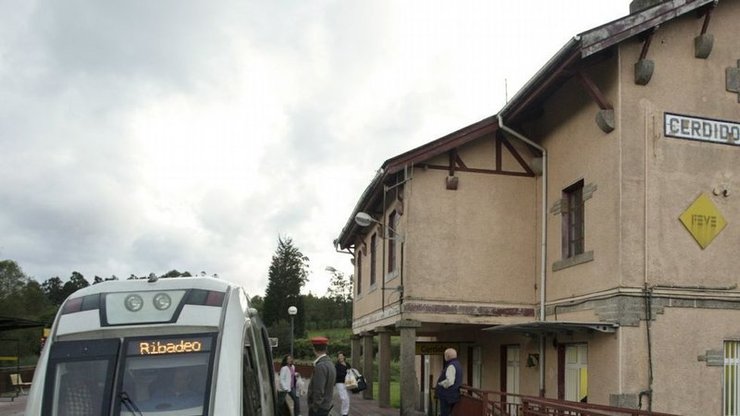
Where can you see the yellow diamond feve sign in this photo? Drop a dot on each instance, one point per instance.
(703, 220)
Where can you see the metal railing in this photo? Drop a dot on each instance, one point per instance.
(476, 402)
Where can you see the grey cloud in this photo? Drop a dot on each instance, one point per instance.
(165, 41)
(228, 216)
(165, 249)
(310, 139)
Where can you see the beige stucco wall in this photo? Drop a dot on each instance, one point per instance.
(679, 170)
(578, 149)
(683, 384)
(473, 244)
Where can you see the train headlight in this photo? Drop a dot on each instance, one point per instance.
(162, 301)
(133, 303)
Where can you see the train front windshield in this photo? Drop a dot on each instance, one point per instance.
(165, 375)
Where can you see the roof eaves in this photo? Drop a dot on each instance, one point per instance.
(555, 326)
(593, 41)
(410, 158)
(612, 33)
(441, 145)
(543, 78)
(342, 242)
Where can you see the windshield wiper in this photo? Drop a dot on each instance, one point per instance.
(130, 406)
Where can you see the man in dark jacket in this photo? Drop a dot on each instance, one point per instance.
(449, 382)
(321, 387)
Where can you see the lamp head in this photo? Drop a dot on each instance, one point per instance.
(363, 219)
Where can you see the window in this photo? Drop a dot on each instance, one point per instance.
(359, 272)
(373, 258)
(731, 382)
(510, 378)
(576, 373)
(157, 382)
(80, 377)
(392, 235)
(477, 370)
(573, 220)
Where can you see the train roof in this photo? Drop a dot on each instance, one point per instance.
(109, 286)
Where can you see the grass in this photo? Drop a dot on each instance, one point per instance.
(332, 334)
(395, 393)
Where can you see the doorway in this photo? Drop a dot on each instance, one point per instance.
(573, 372)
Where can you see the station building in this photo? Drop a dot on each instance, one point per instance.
(580, 244)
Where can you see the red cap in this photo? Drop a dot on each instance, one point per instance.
(320, 341)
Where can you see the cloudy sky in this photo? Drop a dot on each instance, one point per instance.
(142, 136)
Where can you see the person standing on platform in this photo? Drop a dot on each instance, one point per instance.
(342, 367)
(288, 388)
(321, 386)
(449, 382)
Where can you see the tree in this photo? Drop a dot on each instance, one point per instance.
(36, 305)
(173, 273)
(22, 297)
(258, 302)
(12, 278)
(288, 273)
(319, 311)
(76, 282)
(53, 289)
(340, 289)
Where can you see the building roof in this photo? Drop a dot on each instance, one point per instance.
(581, 51)
(9, 323)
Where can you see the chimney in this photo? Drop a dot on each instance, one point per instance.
(639, 5)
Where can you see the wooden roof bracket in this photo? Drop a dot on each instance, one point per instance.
(705, 41)
(605, 116)
(452, 180)
(644, 67)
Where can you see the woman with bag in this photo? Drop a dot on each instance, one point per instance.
(342, 366)
(288, 403)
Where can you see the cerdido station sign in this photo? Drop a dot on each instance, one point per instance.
(702, 129)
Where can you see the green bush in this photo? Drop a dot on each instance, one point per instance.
(395, 393)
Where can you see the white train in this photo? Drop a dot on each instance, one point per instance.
(177, 346)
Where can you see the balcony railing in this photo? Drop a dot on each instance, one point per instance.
(475, 402)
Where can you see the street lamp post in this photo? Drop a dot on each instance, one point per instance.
(292, 311)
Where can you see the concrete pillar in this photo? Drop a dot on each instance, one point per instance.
(355, 353)
(409, 382)
(384, 368)
(367, 363)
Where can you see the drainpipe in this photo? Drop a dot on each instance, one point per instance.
(543, 243)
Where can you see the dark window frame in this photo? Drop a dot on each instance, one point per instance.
(373, 259)
(573, 224)
(358, 273)
(391, 234)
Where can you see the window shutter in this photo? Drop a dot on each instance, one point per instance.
(588, 191)
(557, 207)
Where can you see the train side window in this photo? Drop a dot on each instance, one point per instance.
(264, 366)
(269, 369)
(250, 383)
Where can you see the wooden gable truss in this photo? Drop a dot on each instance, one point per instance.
(457, 164)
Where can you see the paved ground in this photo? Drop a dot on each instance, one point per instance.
(14, 408)
(358, 407)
